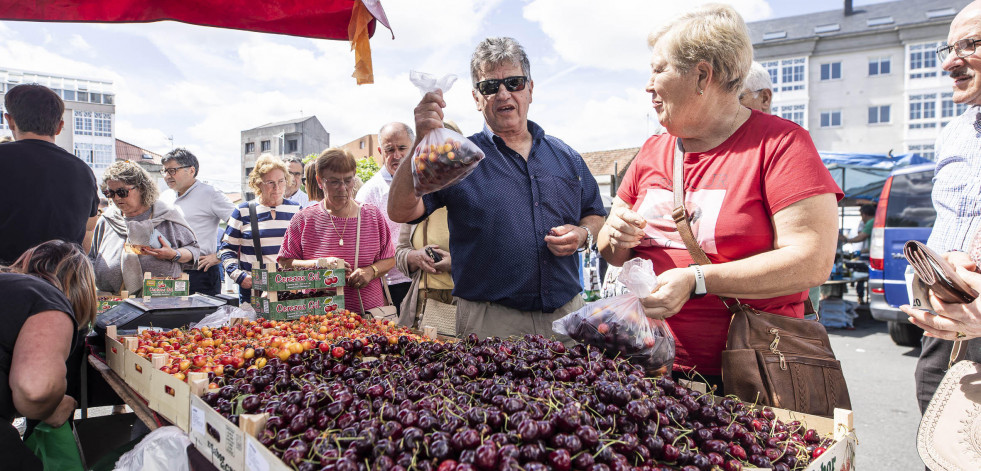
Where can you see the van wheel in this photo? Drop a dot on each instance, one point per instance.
(907, 335)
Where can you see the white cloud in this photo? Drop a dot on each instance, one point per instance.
(78, 44)
(591, 34)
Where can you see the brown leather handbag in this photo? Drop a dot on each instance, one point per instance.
(770, 359)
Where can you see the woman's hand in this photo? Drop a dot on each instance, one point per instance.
(958, 321)
(164, 253)
(674, 288)
(64, 411)
(444, 265)
(360, 277)
(624, 227)
(418, 259)
(246, 282)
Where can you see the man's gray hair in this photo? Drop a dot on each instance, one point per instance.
(405, 128)
(493, 52)
(757, 79)
(293, 159)
(184, 158)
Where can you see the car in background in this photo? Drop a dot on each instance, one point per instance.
(905, 212)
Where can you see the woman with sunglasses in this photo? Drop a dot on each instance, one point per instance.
(238, 251)
(326, 235)
(759, 200)
(137, 233)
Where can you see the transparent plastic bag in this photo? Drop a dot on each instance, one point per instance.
(443, 157)
(618, 324)
(224, 314)
(164, 449)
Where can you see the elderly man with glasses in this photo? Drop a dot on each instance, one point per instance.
(517, 221)
(204, 208)
(957, 199)
(294, 182)
(757, 91)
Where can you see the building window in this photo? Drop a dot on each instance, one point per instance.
(830, 119)
(793, 113)
(249, 147)
(69, 95)
(103, 124)
(291, 145)
(362, 144)
(108, 99)
(83, 123)
(925, 150)
(95, 98)
(773, 68)
(922, 111)
(879, 114)
(792, 74)
(84, 151)
(83, 96)
(831, 71)
(264, 146)
(923, 60)
(879, 66)
(3, 124)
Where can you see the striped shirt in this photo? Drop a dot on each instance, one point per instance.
(957, 184)
(314, 233)
(236, 249)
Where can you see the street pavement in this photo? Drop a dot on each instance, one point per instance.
(880, 381)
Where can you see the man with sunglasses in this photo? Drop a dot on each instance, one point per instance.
(518, 220)
(204, 207)
(956, 192)
(294, 182)
(48, 192)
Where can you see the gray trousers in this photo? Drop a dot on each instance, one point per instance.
(932, 365)
(488, 319)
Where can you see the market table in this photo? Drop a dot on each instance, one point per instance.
(836, 288)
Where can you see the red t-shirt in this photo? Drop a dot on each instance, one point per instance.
(313, 233)
(732, 191)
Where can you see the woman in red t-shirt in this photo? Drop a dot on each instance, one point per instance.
(762, 205)
(325, 235)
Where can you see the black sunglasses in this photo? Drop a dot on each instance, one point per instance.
(512, 84)
(122, 192)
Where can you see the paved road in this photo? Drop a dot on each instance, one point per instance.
(880, 380)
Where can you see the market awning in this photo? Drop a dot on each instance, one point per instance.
(352, 20)
(861, 176)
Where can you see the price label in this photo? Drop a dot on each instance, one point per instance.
(197, 420)
(253, 459)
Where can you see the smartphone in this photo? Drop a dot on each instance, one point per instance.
(433, 255)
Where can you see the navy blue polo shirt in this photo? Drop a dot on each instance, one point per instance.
(500, 214)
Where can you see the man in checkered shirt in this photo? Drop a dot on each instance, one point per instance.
(956, 190)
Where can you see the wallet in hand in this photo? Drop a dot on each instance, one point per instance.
(937, 274)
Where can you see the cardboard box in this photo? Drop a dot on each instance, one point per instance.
(294, 308)
(269, 280)
(165, 287)
(215, 437)
(169, 397)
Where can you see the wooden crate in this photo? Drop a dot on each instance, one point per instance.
(167, 395)
(215, 437)
(136, 372)
(115, 352)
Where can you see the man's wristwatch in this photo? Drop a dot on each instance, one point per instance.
(588, 244)
(699, 282)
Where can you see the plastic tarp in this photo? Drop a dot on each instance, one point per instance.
(352, 20)
(861, 176)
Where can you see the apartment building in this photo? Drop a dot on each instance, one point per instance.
(862, 79)
(90, 114)
(292, 138)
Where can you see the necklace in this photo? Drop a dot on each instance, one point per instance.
(340, 234)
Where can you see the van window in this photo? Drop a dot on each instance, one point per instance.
(910, 204)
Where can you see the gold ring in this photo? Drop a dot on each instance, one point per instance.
(960, 334)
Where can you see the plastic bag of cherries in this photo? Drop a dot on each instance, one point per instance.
(618, 324)
(443, 157)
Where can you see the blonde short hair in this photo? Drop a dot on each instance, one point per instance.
(265, 164)
(713, 33)
(129, 173)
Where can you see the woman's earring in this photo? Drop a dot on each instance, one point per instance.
(700, 91)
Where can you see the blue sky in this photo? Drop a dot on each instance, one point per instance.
(202, 86)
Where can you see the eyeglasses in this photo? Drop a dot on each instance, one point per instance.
(173, 171)
(297, 174)
(963, 48)
(755, 93)
(335, 183)
(121, 192)
(281, 182)
(512, 84)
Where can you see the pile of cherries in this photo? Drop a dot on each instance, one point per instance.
(516, 404)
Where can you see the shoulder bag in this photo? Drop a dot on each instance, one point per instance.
(387, 312)
(435, 313)
(949, 435)
(769, 359)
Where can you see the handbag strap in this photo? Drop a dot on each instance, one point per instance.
(425, 242)
(957, 352)
(682, 221)
(256, 245)
(357, 253)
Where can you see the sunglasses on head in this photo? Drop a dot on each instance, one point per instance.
(512, 84)
(122, 192)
